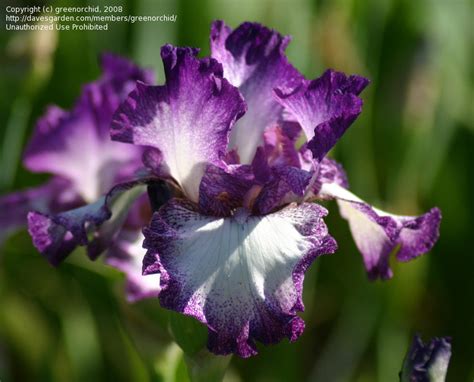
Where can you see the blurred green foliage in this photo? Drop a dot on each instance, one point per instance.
(412, 148)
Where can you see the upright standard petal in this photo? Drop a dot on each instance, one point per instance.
(76, 144)
(378, 233)
(188, 119)
(253, 60)
(57, 235)
(324, 107)
(427, 362)
(241, 275)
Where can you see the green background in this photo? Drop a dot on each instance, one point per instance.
(411, 149)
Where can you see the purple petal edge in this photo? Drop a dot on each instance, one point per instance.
(57, 235)
(276, 316)
(188, 119)
(253, 59)
(324, 107)
(377, 233)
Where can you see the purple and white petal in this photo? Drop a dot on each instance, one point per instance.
(240, 275)
(324, 107)
(377, 233)
(126, 254)
(57, 235)
(427, 362)
(188, 119)
(53, 196)
(253, 59)
(76, 144)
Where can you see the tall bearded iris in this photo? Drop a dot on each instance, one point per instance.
(226, 134)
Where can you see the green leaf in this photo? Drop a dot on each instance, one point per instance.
(207, 367)
(188, 333)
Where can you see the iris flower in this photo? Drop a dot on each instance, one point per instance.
(75, 147)
(235, 149)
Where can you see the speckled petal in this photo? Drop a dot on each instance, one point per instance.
(378, 233)
(76, 144)
(57, 235)
(253, 59)
(241, 275)
(427, 362)
(324, 107)
(188, 119)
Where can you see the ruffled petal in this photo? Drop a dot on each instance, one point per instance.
(53, 196)
(427, 362)
(57, 235)
(242, 275)
(188, 119)
(324, 107)
(378, 233)
(253, 60)
(330, 171)
(76, 144)
(126, 254)
(259, 187)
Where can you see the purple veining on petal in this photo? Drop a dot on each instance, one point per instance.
(237, 274)
(325, 108)
(288, 184)
(427, 362)
(260, 188)
(76, 144)
(253, 60)
(222, 190)
(188, 119)
(377, 233)
(57, 235)
(278, 184)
